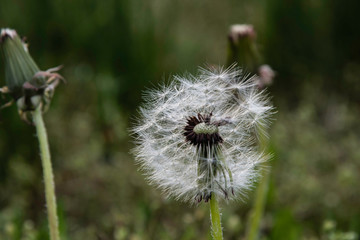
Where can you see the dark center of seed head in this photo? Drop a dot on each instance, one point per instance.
(199, 131)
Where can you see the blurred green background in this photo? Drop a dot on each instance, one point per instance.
(114, 50)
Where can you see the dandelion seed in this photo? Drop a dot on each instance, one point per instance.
(196, 137)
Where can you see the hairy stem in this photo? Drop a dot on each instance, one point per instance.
(216, 230)
(48, 174)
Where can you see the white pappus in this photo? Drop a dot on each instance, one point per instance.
(198, 135)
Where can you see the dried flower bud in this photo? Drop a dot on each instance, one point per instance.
(26, 83)
(19, 66)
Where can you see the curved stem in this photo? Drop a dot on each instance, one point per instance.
(216, 230)
(48, 174)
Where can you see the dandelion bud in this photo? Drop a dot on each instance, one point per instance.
(19, 66)
(26, 83)
(195, 138)
(242, 47)
(241, 31)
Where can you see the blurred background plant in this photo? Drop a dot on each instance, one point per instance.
(112, 50)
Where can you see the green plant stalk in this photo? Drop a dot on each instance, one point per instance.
(260, 197)
(258, 209)
(48, 174)
(216, 230)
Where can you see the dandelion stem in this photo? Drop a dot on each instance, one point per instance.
(216, 230)
(257, 212)
(258, 209)
(48, 174)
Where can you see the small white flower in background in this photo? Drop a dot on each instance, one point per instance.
(197, 136)
(266, 75)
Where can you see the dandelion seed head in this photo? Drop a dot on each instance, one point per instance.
(197, 136)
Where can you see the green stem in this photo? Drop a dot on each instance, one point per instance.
(48, 174)
(260, 196)
(258, 209)
(216, 230)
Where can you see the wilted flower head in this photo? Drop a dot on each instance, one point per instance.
(25, 82)
(198, 135)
